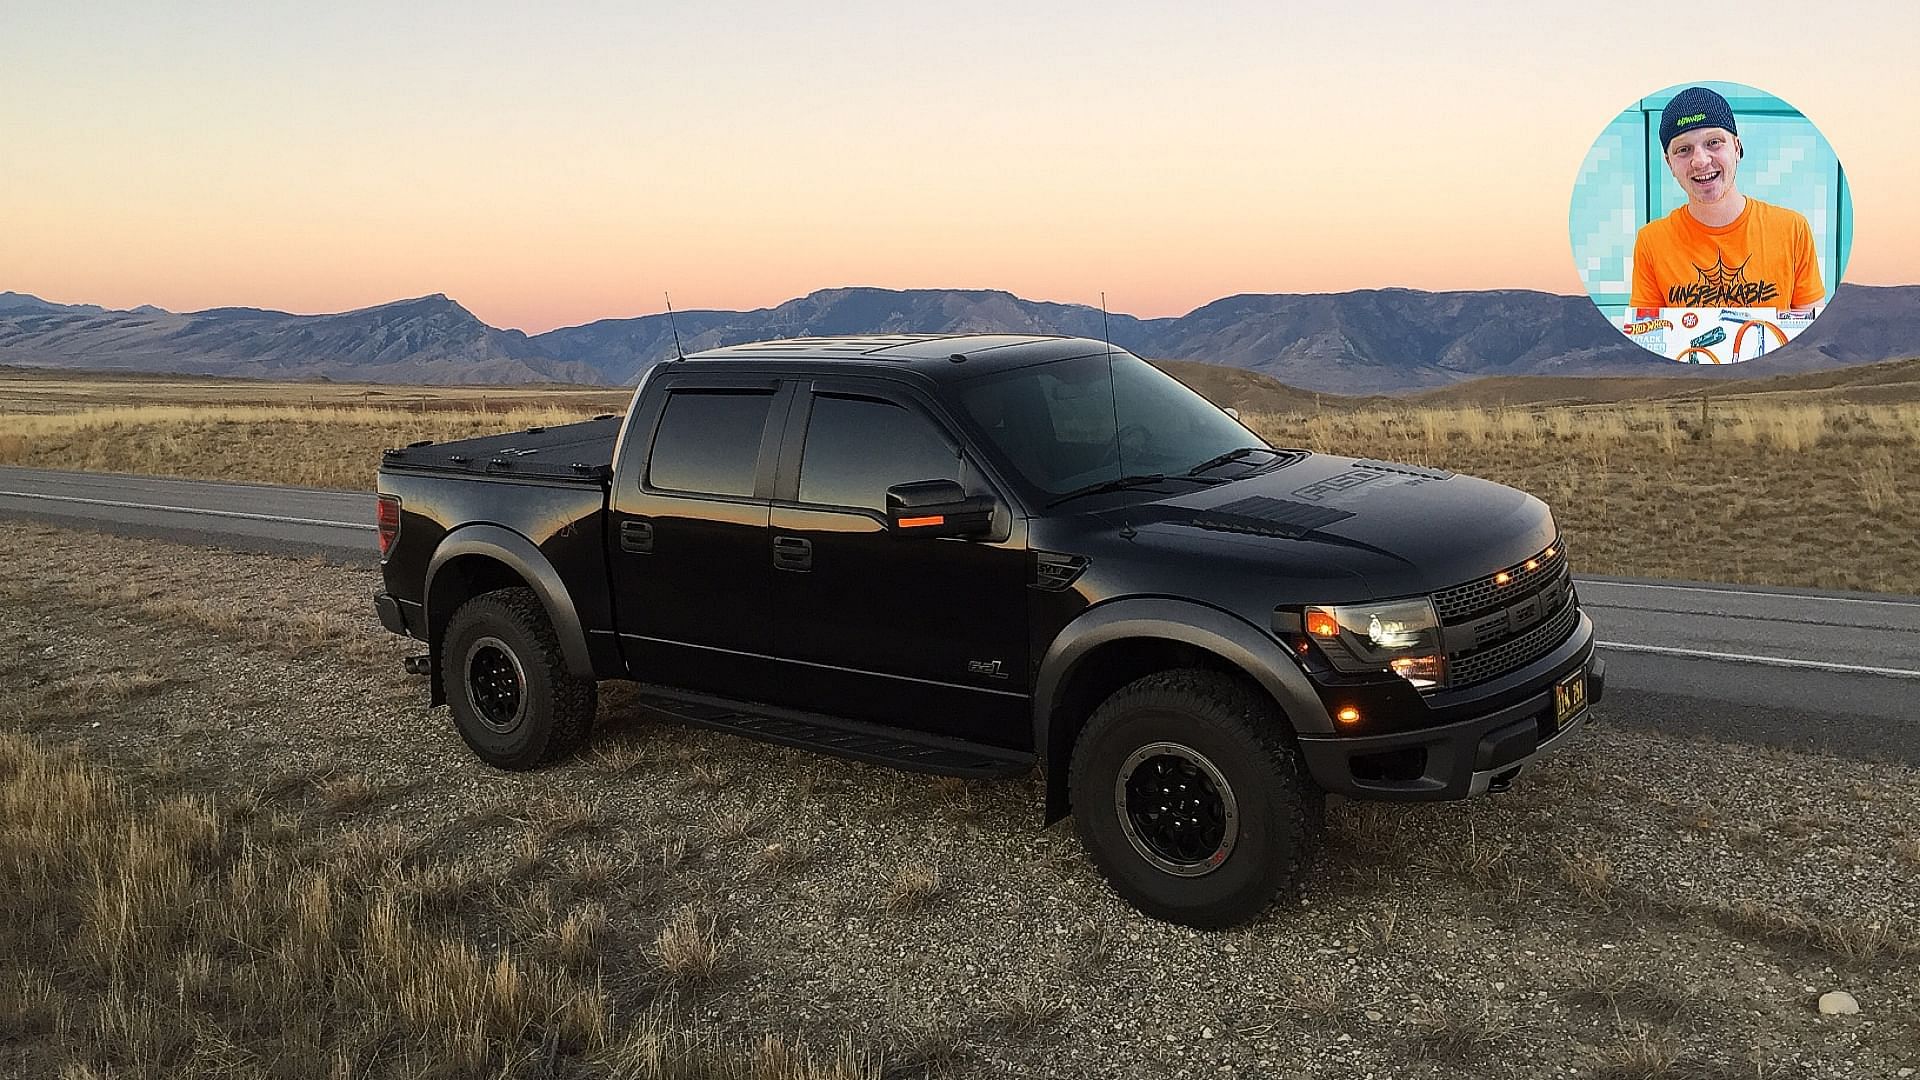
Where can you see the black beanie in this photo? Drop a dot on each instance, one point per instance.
(1694, 107)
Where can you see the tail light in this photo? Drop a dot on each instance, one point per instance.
(388, 516)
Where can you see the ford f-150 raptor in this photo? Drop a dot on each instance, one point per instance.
(981, 555)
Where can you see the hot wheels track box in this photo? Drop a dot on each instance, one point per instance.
(1714, 335)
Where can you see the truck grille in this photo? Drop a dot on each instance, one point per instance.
(1488, 593)
(1508, 619)
(1483, 664)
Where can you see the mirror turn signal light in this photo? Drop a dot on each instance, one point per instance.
(922, 522)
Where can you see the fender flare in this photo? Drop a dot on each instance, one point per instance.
(519, 554)
(1239, 642)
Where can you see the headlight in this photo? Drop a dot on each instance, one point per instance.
(1402, 636)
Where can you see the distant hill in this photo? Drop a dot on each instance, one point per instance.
(14, 303)
(1368, 341)
(620, 349)
(1388, 340)
(1238, 388)
(1887, 380)
(427, 340)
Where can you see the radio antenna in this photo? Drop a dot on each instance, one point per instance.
(1113, 391)
(675, 326)
(1105, 333)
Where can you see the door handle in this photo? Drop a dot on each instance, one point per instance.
(792, 553)
(636, 536)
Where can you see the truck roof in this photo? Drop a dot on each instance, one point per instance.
(965, 354)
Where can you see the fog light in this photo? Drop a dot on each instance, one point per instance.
(1348, 715)
(1422, 671)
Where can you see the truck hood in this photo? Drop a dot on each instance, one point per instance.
(1387, 529)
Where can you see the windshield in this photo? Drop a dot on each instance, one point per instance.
(1065, 425)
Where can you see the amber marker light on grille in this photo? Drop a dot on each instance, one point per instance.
(1502, 578)
(1547, 554)
(1322, 624)
(1533, 564)
(1348, 715)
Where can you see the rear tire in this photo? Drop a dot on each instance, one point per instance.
(1191, 799)
(513, 698)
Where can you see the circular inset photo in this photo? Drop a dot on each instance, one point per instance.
(1711, 222)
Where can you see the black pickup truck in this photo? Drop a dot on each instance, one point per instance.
(978, 555)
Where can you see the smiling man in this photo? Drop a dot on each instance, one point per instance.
(1722, 249)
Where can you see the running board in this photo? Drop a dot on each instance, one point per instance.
(909, 750)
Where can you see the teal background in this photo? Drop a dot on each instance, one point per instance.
(1624, 183)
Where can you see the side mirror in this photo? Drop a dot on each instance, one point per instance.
(937, 508)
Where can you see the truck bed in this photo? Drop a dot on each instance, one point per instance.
(580, 452)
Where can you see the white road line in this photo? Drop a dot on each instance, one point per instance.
(188, 510)
(1772, 661)
(1744, 592)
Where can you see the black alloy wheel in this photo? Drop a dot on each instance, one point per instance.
(496, 685)
(1176, 809)
(514, 700)
(1190, 797)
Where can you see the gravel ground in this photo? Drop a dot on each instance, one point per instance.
(1641, 906)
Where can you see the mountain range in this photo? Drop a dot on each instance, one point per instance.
(1359, 342)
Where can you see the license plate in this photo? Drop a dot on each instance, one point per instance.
(1569, 697)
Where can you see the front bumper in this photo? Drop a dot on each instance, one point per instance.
(1464, 757)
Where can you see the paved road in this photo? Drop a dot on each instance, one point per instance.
(1838, 672)
(248, 517)
(1833, 671)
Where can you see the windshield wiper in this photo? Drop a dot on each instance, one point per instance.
(1232, 455)
(1121, 483)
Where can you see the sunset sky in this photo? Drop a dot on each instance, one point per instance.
(553, 164)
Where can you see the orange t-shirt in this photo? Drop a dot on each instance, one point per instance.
(1763, 258)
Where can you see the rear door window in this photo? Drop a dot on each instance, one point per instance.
(858, 447)
(708, 442)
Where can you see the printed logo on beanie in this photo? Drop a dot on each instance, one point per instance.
(1694, 119)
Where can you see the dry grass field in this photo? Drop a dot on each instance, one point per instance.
(309, 434)
(1794, 481)
(1765, 489)
(235, 843)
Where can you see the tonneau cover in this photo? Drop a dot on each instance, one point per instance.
(582, 452)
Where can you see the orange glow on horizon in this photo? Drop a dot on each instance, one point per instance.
(533, 170)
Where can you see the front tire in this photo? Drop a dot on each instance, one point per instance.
(513, 699)
(1191, 799)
